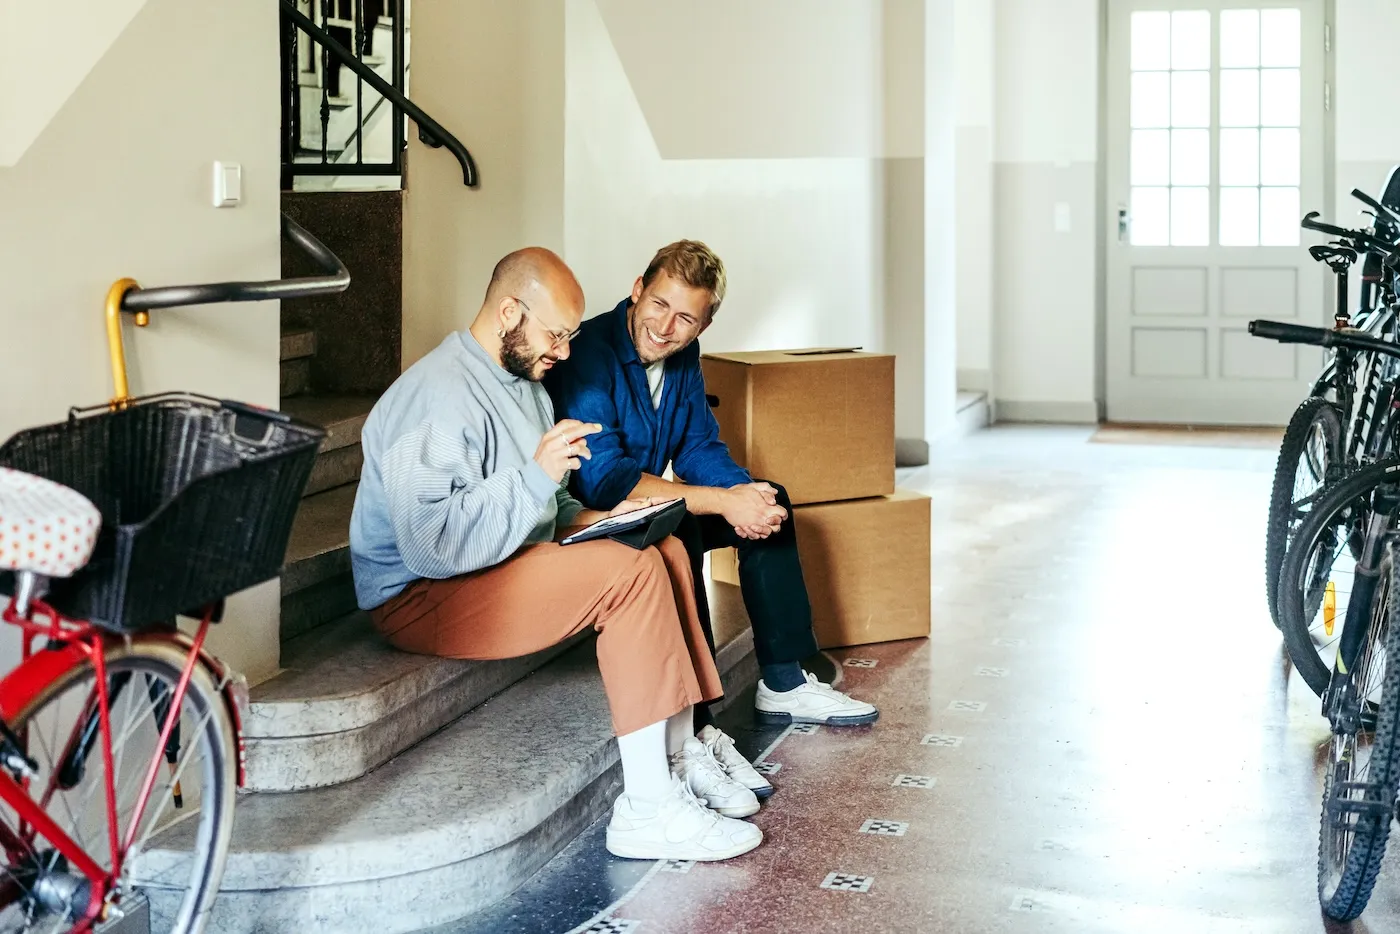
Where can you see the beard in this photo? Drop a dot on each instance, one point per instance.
(517, 357)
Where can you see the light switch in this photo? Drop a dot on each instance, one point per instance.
(1061, 217)
(228, 184)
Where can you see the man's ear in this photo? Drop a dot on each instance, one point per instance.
(507, 311)
(709, 320)
(637, 290)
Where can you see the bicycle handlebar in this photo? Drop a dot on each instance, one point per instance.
(1382, 211)
(1360, 237)
(1321, 337)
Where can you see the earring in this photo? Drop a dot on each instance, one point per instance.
(501, 333)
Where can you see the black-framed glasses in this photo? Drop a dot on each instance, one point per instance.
(557, 338)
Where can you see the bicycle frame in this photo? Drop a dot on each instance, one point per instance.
(78, 644)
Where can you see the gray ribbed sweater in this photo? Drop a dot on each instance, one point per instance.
(450, 484)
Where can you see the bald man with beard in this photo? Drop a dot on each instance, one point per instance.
(454, 546)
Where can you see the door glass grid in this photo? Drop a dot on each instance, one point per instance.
(1169, 159)
(1260, 110)
(1258, 140)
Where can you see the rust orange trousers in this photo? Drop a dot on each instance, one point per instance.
(651, 646)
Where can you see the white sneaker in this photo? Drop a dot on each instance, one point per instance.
(678, 826)
(708, 781)
(721, 746)
(813, 702)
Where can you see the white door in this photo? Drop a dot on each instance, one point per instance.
(1215, 152)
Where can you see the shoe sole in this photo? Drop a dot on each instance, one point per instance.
(662, 852)
(768, 716)
(743, 810)
(763, 794)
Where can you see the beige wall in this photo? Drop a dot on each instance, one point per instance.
(800, 237)
(1045, 347)
(777, 79)
(118, 184)
(49, 50)
(492, 73)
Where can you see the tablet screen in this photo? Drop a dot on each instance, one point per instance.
(613, 522)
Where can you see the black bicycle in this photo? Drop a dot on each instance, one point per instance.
(1341, 573)
(1334, 429)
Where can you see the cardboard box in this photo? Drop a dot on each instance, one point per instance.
(820, 422)
(866, 563)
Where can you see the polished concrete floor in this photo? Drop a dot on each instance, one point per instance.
(1101, 735)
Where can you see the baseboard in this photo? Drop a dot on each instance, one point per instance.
(975, 380)
(1064, 413)
(910, 452)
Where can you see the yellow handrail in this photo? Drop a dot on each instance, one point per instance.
(115, 294)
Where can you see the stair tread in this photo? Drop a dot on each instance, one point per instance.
(484, 780)
(342, 416)
(342, 676)
(298, 343)
(320, 540)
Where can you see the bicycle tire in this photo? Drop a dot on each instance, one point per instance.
(217, 779)
(1314, 411)
(1348, 898)
(1293, 619)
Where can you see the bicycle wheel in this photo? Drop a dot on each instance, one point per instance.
(39, 894)
(1318, 576)
(1358, 798)
(1312, 445)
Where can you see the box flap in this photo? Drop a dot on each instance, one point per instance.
(796, 355)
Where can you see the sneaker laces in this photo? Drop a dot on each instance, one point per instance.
(818, 684)
(690, 801)
(721, 746)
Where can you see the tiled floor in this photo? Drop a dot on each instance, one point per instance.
(1100, 736)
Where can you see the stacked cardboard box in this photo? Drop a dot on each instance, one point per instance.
(821, 423)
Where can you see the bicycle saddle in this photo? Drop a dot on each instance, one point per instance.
(1326, 253)
(45, 528)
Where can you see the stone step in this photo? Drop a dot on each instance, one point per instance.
(294, 377)
(346, 702)
(340, 457)
(974, 412)
(443, 830)
(316, 582)
(298, 343)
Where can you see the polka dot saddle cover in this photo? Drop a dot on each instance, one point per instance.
(45, 527)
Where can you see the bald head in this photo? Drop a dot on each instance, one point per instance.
(531, 271)
(532, 305)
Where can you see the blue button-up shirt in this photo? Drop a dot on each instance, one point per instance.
(604, 381)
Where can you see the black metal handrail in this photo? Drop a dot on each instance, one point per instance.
(430, 131)
(336, 279)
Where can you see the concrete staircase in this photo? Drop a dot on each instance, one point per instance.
(389, 792)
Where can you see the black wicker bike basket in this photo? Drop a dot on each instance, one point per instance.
(197, 499)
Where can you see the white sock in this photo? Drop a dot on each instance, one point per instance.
(679, 728)
(646, 773)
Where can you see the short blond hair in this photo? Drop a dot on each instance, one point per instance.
(693, 263)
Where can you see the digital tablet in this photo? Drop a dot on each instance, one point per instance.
(639, 528)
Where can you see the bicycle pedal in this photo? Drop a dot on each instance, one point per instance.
(1376, 801)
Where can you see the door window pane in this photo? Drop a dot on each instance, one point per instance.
(1239, 98)
(1149, 211)
(1191, 98)
(1239, 38)
(1151, 41)
(1190, 157)
(1279, 99)
(1150, 161)
(1279, 38)
(1279, 152)
(1190, 216)
(1278, 216)
(1239, 216)
(1190, 39)
(1239, 157)
(1152, 95)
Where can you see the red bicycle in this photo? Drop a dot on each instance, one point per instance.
(120, 741)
